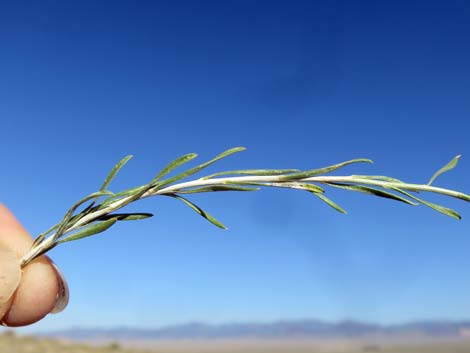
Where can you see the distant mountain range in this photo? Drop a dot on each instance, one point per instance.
(276, 330)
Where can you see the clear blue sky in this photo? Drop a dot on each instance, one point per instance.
(301, 84)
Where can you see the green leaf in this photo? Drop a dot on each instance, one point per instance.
(200, 167)
(89, 208)
(65, 221)
(283, 184)
(217, 188)
(299, 186)
(330, 203)
(126, 216)
(40, 238)
(200, 211)
(43, 235)
(173, 165)
(124, 193)
(372, 191)
(310, 187)
(114, 171)
(257, 172)
(131, 191)
(87, 198)
(451, 165)
(89, 231)
(377, 177)
(131, 195)
(310, 173)
(444, 210)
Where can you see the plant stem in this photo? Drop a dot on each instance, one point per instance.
(92, 220)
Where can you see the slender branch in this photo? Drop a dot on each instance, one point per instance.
(98, 217)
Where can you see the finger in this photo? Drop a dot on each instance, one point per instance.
(10, 276)
(37, 292)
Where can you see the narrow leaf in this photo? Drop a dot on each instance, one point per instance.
(173, 165)
(284, 184)
(200, 167)
(130, 195)
(89, 231)
(310, 173)
(372, 191)
(200, 211)
(114, 171)
(451, 165)
(43, 235)
(127, 216)
(377, 177)
(88, 208)
(124, 193)
(311, 188)
(38, 239)
(447, 211)
(330, 202)
(299, 186)
(68, 216)
(217, 188)
(257, 172)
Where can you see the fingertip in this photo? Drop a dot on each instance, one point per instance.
(10, 277)
(36, 295)
(37, 292)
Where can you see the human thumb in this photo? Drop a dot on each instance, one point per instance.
(10, 276)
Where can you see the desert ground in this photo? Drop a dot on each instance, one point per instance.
(12, 343)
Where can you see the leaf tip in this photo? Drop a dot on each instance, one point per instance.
(449, 166)
(238, 149)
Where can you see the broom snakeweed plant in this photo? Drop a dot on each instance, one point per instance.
(99, 215)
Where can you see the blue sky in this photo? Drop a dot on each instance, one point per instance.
(301, 84)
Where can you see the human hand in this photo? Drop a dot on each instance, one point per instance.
(39, 284)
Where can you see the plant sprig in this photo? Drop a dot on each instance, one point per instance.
(99, 215)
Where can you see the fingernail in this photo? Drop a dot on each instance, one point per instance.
(63, 294)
